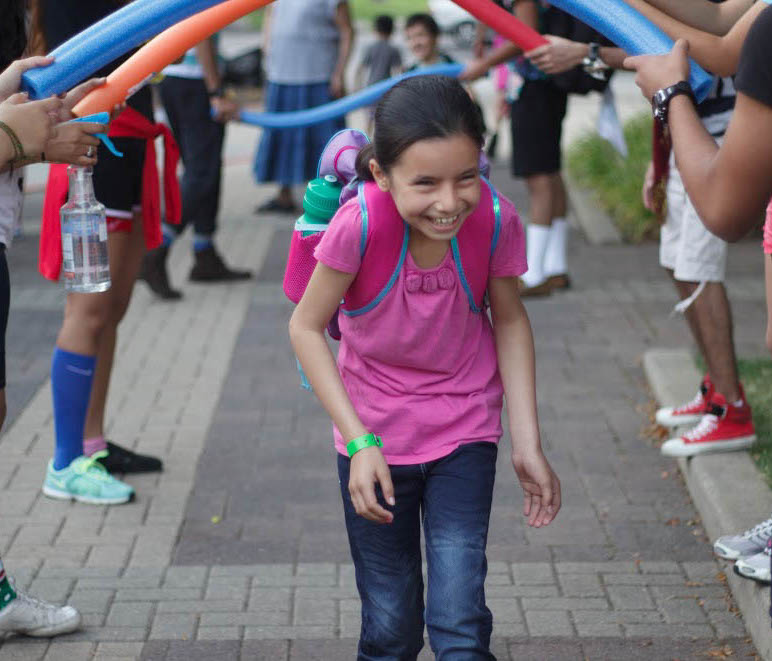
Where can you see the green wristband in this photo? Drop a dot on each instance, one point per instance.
(362, 442)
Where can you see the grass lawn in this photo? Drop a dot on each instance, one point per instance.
(615, 181)
(369, 9)
(756, 376)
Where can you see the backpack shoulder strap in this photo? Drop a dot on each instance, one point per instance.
(383, 248)
(474, 245)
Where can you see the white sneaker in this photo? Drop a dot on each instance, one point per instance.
(751, 542)
(756, 567)
(28, 616)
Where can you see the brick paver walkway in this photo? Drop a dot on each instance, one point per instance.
(238, 549)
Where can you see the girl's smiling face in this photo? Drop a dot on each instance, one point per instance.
(435, 184)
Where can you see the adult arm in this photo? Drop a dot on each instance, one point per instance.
(514, 348)
(346, 30)
(561, 55)
(717, 18)
(306, 328)
(731, 185)
(206, 53)
(718, 54)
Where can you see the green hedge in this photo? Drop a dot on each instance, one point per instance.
(616, 182)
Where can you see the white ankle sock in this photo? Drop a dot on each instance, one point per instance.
(555, 259)
(537, 238)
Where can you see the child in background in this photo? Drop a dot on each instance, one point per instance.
(423, 33)
(423, 366)
(381, 59)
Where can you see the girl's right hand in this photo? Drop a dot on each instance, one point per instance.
(31, 121)
(368, 466)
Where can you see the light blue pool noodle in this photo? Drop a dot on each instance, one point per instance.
(631, 31)
(106, 40)
(365, 97)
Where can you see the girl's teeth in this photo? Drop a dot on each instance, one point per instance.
(444, 221)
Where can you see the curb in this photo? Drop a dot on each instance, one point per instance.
(727, 489)
(595, 223)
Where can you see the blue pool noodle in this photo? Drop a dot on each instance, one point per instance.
(631, 31)
(106, 40)
(318, 114)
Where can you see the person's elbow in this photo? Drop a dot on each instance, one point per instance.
(728, 224)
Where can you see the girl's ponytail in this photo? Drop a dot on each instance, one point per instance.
(363, 162)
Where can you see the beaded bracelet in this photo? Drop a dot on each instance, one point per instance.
(18, 149)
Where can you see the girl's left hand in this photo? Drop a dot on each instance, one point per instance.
(655, 72)
(541, 487)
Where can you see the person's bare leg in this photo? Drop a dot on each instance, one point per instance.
(126, 250)
(540, 189)
(685, 290)
(285, 196)
(559, 196)
(714, 319)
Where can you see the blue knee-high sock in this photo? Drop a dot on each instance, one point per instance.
(71, 378)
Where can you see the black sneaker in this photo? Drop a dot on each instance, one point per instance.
(121, 460)
(210, 267)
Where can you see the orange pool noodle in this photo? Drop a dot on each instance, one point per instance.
(161, 51)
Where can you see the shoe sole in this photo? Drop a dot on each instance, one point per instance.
(763, 580)
(677, 421)
(742, 443)
(725, 553)
(66, 495)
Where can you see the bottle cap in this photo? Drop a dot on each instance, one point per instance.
(321, 200)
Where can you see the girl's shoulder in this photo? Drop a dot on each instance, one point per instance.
(340, 246)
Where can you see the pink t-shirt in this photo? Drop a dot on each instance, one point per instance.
(420, 367)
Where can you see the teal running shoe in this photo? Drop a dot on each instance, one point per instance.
(86, 481)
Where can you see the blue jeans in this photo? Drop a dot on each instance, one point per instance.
(452, 497)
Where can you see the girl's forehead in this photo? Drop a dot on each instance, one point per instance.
(453, 152)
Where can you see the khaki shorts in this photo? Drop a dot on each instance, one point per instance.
(686, 247)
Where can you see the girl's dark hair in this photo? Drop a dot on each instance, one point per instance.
(13, 31)
(419, 108)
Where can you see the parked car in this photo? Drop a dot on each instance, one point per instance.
(456, 22)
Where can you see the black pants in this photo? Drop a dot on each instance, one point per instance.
(200, 139)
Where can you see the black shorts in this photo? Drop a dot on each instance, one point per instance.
(5, 302)
(537, 125)
(118, 181)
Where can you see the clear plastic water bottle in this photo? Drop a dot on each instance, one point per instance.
(85, 264)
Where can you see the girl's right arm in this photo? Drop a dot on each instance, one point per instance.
(368, 466)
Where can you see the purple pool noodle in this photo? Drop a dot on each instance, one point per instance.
(106, 40)
(632, 31)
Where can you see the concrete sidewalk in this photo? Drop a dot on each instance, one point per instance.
(238, 549)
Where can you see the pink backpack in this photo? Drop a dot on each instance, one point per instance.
(385, 236)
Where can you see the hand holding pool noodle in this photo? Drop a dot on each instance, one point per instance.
(614, 19)
(164, 49)
(98, 45)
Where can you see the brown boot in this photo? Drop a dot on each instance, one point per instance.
(209, 267)
(153, 272)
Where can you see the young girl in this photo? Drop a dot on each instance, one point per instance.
(423, 367)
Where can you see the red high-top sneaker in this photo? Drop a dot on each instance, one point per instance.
(691, 413)
(725, 427)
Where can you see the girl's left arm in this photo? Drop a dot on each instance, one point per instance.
(514, 347)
